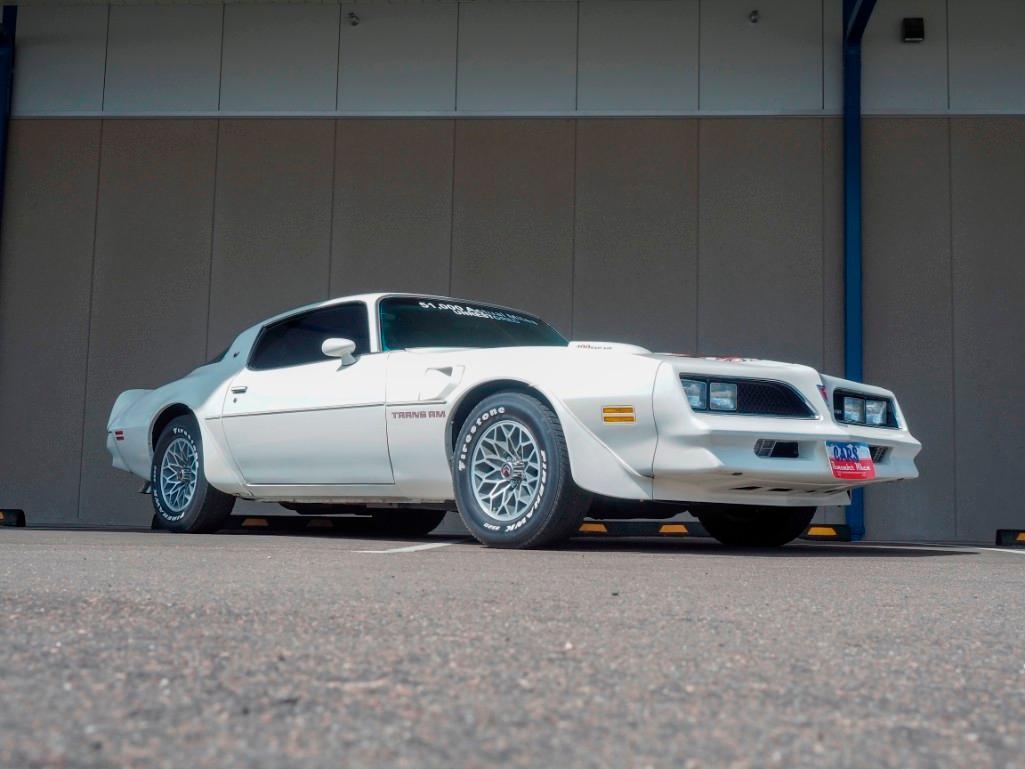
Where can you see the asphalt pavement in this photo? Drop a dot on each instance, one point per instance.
(121, 649)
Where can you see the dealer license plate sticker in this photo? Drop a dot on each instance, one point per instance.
(851, 461)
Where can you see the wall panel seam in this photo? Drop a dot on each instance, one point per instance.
(573, 236)
(822, 234)
(213, 237)
(822, 53)
(106, 58)
(220, 63)
(953, 335)
(697, 244)
(331, 212)
(946, 10)
(338, 64)
(452, 205)
(89, 324)
(576, 79)
(455, 87)
(699, 56)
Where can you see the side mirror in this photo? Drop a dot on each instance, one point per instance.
(339, 348)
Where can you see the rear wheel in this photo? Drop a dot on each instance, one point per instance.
(512, 476)
(752, 526)
(182, 498)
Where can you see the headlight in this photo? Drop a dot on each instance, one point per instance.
(722, 396)
(854, 409)
(697, 393)
(875, 412)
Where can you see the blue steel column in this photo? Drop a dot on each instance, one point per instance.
(7, 30)
(856, 14)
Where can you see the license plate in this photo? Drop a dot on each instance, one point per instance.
(851, 461)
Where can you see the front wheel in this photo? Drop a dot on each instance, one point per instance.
(512, 476)
(755, 526)
(182, 498)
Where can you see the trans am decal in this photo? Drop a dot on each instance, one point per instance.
(423, 414)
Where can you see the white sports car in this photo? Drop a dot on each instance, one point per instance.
(394, 406)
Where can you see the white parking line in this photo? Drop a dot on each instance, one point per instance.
(1002, 550)
(412, 548)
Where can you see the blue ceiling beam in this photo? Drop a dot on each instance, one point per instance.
(856, 14)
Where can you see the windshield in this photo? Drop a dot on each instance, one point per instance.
(410, 322)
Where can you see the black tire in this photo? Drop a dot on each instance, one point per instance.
(558, 505)
(406, 522)
(207, 509)
(753, 526)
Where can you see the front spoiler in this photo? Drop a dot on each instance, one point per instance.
(711, 457)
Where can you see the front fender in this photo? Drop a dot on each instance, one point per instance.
(612, 458)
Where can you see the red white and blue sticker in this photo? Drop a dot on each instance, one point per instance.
(851, 461)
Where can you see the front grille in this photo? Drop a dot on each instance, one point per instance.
(878, 453)
(762, 397)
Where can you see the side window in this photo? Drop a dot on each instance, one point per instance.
(296, 341)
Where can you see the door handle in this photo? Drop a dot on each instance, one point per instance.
(238, 389)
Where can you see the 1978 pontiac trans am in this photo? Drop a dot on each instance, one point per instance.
(394, 406)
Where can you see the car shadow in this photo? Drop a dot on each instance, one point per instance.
(796, 549)
(702, 546)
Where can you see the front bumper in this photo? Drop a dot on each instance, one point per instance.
(711, 457)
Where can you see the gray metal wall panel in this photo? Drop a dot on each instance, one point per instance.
(908, 318)
(517, 56)
(767, 278)
(512, 227)
(45, 276)
(988, 173)
(635, 264)
(61, 53)
(774, 65)
(392, 206)
(905, 77)
(638, 55)
(760, 248)
(272, 221)
(399, 58)
(987, 56)
(897, 77)
(280, 58)
(163, 58)
(151, 283)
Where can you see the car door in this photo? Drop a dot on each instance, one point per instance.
(293, 416)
